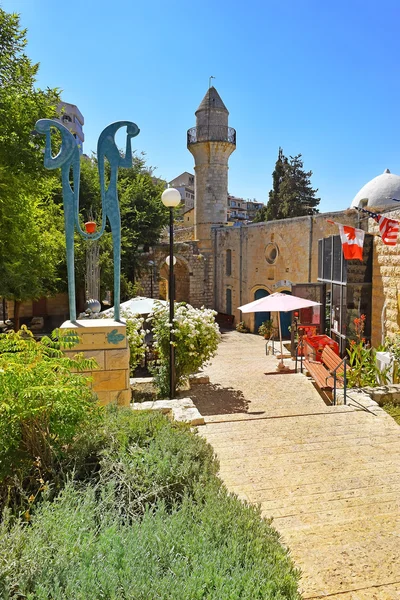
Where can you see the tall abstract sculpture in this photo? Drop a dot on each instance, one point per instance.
(68, 160)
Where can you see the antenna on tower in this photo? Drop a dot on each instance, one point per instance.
(209, 80)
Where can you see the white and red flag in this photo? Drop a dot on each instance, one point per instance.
(352, 242)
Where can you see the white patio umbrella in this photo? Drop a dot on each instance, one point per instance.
(278, 302)
(136, 306)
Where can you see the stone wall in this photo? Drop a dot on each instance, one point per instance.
(55, 306)
(193, 271)
(385, 283)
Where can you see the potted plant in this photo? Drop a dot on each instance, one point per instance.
(266, 329)
(242, 328)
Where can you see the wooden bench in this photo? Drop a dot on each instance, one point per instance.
(330, 374)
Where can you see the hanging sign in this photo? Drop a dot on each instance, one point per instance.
(283, 283)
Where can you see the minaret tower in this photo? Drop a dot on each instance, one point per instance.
(211, 142)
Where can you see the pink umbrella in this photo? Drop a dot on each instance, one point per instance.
(278, 302)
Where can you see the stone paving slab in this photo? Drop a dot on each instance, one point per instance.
(329, 477)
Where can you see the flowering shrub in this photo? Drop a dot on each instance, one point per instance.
(135, 335)
(196, 337)
(363, 369)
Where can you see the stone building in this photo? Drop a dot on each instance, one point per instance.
(72, 118)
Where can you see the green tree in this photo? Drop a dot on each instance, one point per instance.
(21, 104)
(297, 198)
(271, 211)
(32, 248)
(292, 194)
(143, 215)
(29, 222)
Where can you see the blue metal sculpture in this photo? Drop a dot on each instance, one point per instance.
(68, 159)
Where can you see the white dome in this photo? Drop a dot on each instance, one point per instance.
(379, 192)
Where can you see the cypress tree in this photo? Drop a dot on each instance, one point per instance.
(292, 194)
(297, 198)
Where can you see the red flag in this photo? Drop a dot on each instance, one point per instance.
(352, 242)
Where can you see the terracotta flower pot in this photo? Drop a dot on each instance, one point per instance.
(90, 226)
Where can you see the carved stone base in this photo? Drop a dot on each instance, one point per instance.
(105, 341)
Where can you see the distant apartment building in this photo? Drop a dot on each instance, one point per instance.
(184, 183)
(72, 118)
(240, 209)
(252, 208)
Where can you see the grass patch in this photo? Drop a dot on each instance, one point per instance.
(393, 410)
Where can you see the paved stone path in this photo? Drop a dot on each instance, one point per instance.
(328, 476)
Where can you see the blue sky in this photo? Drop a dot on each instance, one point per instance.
(317, 78)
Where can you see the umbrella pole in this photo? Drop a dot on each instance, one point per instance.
(280, 337)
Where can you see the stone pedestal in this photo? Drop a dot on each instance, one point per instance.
(105, 341)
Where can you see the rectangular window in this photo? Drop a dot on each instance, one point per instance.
(228, 263)
(228, 301)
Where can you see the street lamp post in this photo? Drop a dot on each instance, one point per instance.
(151, 265)
(171, 198)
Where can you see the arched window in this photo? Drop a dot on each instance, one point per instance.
(228, 301)
(229, 262)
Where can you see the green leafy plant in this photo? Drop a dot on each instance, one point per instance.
(196, 338)
(241, 327)
(362, 359)
(44, 404)
(266, 328)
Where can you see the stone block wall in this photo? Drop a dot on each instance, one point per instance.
(105, 341)
(385, 284)
(193, 273)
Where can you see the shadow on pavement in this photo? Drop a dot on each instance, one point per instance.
(212, 399)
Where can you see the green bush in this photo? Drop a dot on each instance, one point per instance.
(146, 518)
(77, 548)
(43, 408)
(147, 458)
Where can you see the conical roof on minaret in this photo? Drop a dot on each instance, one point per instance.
(212, 100)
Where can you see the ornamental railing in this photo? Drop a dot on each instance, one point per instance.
(211, 133)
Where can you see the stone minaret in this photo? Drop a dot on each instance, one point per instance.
(211, 142)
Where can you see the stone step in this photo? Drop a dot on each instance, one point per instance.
(182, 410)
